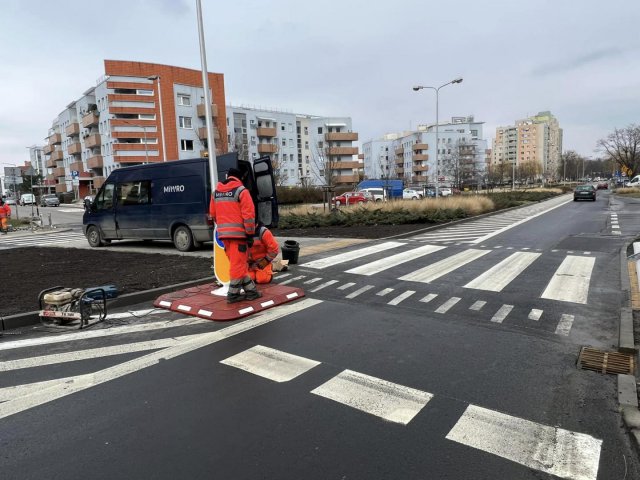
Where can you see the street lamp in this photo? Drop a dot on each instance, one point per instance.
(437, 90)
(164, 150)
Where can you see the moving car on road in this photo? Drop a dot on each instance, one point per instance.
(584, 192)
(27, 199)
(49, 200)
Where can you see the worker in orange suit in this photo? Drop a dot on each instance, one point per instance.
(5, 215)
(264, 251)
(232, 209)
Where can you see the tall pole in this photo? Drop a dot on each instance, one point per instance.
(513, 175)
(164, 148)
(437, 144)
(146, 152)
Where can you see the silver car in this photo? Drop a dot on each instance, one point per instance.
(49, 200)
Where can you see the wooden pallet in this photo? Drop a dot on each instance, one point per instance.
(606, 362)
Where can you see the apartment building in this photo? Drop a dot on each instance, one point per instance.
(535, 141)
(305, 149)
(136, 113)
(411, 155)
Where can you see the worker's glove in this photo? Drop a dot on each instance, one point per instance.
(250, 241)
(262, 263)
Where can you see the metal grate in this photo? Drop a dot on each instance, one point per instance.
(606, 362)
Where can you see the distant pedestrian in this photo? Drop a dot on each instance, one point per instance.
(232, 209)
(264, 251)
(5, 215)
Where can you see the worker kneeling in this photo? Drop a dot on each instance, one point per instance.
(261, 254)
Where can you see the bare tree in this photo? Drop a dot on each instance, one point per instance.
(623, 147)
(570, 163)
(323, 164)
(529, 171)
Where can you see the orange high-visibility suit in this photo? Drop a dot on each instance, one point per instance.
(264, 250)
(5, 214)
(232, 209)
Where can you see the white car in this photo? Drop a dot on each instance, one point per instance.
(410, 194)
(445, 191)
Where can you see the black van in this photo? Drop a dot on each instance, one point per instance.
(170, 201)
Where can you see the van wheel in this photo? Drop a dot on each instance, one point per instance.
(94, 237)
(183, 239)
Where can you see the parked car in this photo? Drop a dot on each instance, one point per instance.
(27, 199)
(634, 182)
(10, 201)
(352, 198)
(49, 200)
(445, 191)
(584, 192)
(603, 186)
(410, 194)
(378, 194)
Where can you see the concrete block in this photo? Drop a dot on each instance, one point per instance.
(627, 391)
(625, 342)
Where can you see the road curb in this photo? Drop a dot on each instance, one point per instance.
(32, 318)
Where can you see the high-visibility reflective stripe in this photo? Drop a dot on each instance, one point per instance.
(230, 225)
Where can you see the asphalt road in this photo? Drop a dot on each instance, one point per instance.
(430, 357)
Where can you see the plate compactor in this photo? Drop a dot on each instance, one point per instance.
(70, 306)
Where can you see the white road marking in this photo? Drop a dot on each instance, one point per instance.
(299, 277)
(388, 262)
(502, 313)
(570, 283)
(477, 306)
(346, 285)
(500, 275)
(444, 308)
(564, 325)
(551, 450)
(324, 285)
(390, 401)
(271, 364)
(436, 270)
(401, 297)
(105, 332)
(616, 233)
(360, 291)
(278, 276)
(535, 314)
(313, 280)
(352, 255)
(82, 382)
(11, 393)
(384, 292)
(429, 297)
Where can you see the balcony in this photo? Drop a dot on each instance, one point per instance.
(421, 168)
(420, 146)
(76, 166)
(342, 179)
(90, 120)
(47, 149)
(72, 130)
(50, 179)
(267, 148)
(399, 171)
(340, 165)
(419, 157)
(202, 133)
(95, 162)
(74, 148)
(55, 139)
(61, 187)
(343, 150)
(50, 164)
(202, 110)
(266, 131)
(399, 151)
(92, 140)
(98, 182)
(58, 172)
(341, 136)
(399, 161)
(56, 156)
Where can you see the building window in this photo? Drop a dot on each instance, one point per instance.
(184, 99)
(185, 122)
(186, 145)
(284, 142)
(319, 130)
(146, 116)
(134, 193)
(144, 92)
(306, 130)
(306, 145)
(283, 127)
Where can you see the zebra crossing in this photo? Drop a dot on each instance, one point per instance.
(68, 238)
(480, 230)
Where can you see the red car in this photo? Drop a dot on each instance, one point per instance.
(603, 185)
(352, 198)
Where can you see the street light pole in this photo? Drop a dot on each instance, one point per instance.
(437, 90)
(164, 150)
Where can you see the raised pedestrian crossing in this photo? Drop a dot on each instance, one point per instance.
(67, 238)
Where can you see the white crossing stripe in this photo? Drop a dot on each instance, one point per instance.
(346, 285)
(429, 297)
(271, 364)
(360, 291)
(299, 277)
(564, 325)
(324, 285)
(502, 313)
(384, 292)
(477, 306)
(552, 450)
(279, 275)
(535, 314)
(570, 283)
(436, 270)
(401, 297)
(313, 280)
(352, 255)
(390, 401)
(444, 308)
(388, 262)
(500, 275)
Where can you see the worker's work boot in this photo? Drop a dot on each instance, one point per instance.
(235, 297)
(252, 294)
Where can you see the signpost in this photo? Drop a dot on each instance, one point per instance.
(13, 176)
(75, 182)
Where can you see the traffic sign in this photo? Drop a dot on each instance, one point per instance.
(74, 173)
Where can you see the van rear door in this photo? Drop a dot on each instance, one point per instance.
(266, 199)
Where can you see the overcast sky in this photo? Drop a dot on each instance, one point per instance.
(357, 58)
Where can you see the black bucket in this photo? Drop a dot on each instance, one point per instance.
(290, 251)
